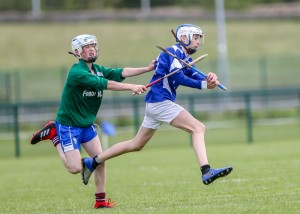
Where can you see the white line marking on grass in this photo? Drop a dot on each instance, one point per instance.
(237, 180)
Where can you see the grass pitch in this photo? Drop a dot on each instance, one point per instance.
(159, 179)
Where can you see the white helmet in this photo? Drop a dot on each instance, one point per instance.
(189, 30)
(79, 41)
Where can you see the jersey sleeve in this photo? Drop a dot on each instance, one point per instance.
(189, 72)
(114, 74)
(182, 79)
(77, 76)
(187, 76)
(192, 73)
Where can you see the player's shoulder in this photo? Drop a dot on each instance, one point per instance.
(177, 50)
(171, 49)
(76, 67)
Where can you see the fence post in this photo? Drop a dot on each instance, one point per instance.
(16, 124)
(191, 105)
(249, 118)
(8, 87)
(299, 104)
(263, 73)
(8, 95)
(17, 84)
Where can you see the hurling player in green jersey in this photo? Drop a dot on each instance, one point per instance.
(80, 102)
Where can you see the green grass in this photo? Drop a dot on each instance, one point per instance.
(162, 178)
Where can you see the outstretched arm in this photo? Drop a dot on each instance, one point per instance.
(117, 86)
(130, 72)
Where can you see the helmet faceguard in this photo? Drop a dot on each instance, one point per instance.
(189, 31)
(79, 41)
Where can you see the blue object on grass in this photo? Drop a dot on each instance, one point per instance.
(108, 128)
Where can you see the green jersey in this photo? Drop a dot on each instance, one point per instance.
(83, 92)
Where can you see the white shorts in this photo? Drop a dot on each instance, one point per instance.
(157, 113)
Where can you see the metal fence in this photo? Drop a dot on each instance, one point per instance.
(245, 73)
(129, 111)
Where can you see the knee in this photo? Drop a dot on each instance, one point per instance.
(138, 148)
(200, 127)
(75, 169)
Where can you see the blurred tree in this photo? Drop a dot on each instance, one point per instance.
(16, 5)
(46, 5)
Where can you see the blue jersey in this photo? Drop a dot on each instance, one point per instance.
(165, 64)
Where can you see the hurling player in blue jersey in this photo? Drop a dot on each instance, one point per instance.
(161, 106)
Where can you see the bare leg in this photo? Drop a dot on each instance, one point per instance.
(70, 159)
(135, 144)
(190, 124)
(61, 155)
(187, 122)
(94, 148)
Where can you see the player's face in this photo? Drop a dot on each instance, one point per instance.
(196, 41)
(89, 51)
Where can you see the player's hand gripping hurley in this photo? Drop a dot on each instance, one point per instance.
(177, 70)
(189, 65)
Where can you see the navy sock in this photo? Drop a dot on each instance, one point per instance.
(96, 162)
(205, 169)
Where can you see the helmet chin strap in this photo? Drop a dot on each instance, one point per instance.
(188, 50)
(192, 51)
(90, 60)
